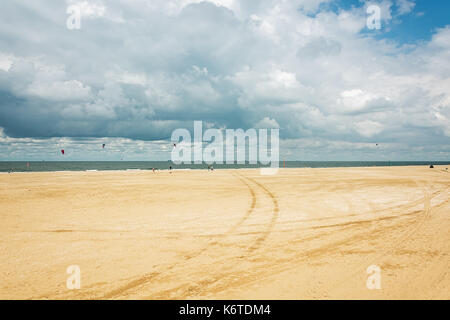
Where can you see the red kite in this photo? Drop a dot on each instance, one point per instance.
(62, 151)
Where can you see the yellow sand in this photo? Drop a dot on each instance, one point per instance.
(227, 234)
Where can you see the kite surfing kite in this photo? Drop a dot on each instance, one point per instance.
(103, 146)
(62, 151)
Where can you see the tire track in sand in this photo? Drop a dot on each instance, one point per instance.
(186, 289)
(221, 279)
(148, 277)
(229, 279)
(275, 213)
(404, 235)
(250, 210)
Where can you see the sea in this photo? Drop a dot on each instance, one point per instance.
(43, 166)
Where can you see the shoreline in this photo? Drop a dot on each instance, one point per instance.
(435, 164)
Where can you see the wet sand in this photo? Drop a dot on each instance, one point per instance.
(227, 234)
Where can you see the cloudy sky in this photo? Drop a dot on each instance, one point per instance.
(138, 69)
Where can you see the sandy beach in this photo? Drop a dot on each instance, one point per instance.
(227, 234)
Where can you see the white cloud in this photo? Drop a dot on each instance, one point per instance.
(267, 86)
(405, 6)
(355, 100)
(6, 62)
(60, 90)
(368, 128)
(90, 9)
(267, 123)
